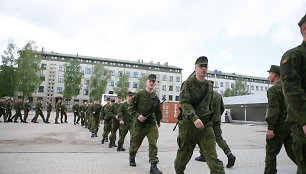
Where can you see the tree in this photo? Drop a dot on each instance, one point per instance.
(142, 83)
(122, 86)
(7, 71)
(98, 81)
(29, 71)
(238, 89)
(72, 79)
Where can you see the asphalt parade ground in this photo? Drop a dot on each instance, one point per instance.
(39, 148)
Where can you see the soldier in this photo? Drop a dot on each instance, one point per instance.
(278, 130)
(39, 111)
(8, 113)
(63, 112)
(49, 108)
(196, 126)
(107, 120)
(75, 109)
(86, 114)
(218, 109)
(82, 113)
(58, 110)
(95, 120)
(89, 117)
(115, 122)
(18, 107)
(125, 120)
(26, 108)
(146, 125)
(293, 76)
(2, 108)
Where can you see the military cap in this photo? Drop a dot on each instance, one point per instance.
(202, 60)
(152, 77)
(129, 93)
(275, 69)
(112, 100)
(302, 21)
(119, 96)
(108, 99)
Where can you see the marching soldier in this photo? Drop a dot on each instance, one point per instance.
(8, 113)
(107, 120)
(76, 115)
(2, 109)
(18, 107)
(82, 113)
(144, 125)
(39, 111)
(49, 108)
(95, 114)
(58, 110)
(115, 122)
(64, 112)
(26, 108)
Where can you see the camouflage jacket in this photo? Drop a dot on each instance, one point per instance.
(8, 106)
(277, 110)
(49, 107)
(63, 108)
(191, 91)
(82, 109)
(26, 106)
(38, 107)
(75, 108)
(58, 107)
(123, 113)
(107, 112)
(217, 107)
(114, 109)
(142, 102)
(293, 75)
(18, 106)
(2, 105)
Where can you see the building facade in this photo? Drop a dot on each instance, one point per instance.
(169, 78)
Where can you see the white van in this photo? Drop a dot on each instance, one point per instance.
(105, 96)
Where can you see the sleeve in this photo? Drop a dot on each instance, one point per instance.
(158, 113)
(120, 112)
(291, 75)
(185, 100)
(132, 109)
(273, 108)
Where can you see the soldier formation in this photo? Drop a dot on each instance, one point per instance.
(201, 116)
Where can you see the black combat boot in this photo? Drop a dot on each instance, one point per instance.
(200, 158)
(132, 162)
(231, 160)
(154, 169)
(120, 148)
(102, 141)
(92, 135)
(106, 139)
(110, 144)
(15, 121)
(114, 144)
(96, 134)
(56, 123)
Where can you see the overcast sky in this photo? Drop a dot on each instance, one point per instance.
(241, 36)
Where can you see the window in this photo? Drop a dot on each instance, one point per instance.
(135, 75)
(43, 78)
(86, 81)
(41, 89)
(221, 84)
(87, 70)
(120, 73)
(177, 89)
(111, 83)
(61, 79)
(226, 85)
(170, 88)
(85, 92)
(164, 77)
(104, 72)
(232, 85)
(171, 78)
(61, 68)
(59, 90)
(252, 87)
(143, 74)
(128, 73)
(134, 84)
(43, 66)
(80, 69)
(112, 72)
(170, 97)
(163, 97)
(261, 88)
(177, 98)
(164, 87)
(257, 88)
(178, 79)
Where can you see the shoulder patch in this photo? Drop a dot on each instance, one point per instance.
(284, 61)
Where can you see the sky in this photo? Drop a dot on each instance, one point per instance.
(238, 36)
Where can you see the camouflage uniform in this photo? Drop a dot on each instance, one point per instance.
(107, 121)
(38, 111)
(95, 120)
(76, 114)
(143, 101)
(115, 122)
(2, 110)
(189, 135)
(26, 108)
(49, 108)
(58, 110)
(82, 113)
(18, 107)
(277, 112)
(8, 113)
(86, 117)
(127, 126)
(293, 76)
(63, 112)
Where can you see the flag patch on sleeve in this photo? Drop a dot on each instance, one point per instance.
(284, 61)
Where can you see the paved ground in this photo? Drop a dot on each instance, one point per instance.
(69, 149)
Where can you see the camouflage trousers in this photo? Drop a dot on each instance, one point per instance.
(82, 116)
(57, 116)
(140, 131)
(41, 115)
(63, 114)
(274, 145)
(2, 113)
(95, 121)
(48, 115)
(8, 115)
(76, 117)
(299, 147)
(17, 115)
(26, 114)
(187, 139)
(107, 128)
(115, 126)
(123, 130)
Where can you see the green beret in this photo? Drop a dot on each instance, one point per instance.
(152, 77)
(108, 99)
(129, 93)
(302, 21)
(201, 60)
(275, 69)
(119, 96)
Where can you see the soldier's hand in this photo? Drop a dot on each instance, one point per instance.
(270, 134)
(101, 121)
(121, 122)
(141, 118)
(304, 129)
(198, 124)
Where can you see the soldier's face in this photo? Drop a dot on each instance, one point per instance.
(129, 97)
(119, 99)
(271, 76)
(150, 84)
(201, 69)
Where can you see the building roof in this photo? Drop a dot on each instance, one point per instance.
(246, 99)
